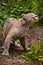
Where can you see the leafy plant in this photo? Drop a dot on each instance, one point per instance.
(14, 8)
(34, 53)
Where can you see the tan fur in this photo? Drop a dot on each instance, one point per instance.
(7, 25)
(18, 31)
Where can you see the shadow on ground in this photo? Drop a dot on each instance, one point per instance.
(14, 58)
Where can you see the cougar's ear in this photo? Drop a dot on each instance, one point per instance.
(23, 15)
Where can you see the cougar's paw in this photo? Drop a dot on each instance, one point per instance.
(2, 47)
(5, 53)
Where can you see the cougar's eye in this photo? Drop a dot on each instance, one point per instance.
(33, 17)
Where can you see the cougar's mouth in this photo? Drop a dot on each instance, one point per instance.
(36, 19)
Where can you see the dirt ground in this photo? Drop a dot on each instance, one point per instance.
(14, 58)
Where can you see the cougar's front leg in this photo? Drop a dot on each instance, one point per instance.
(13, 32)
(22, 40)
(6, 46)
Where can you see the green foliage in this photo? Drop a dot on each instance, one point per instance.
(14, 8)
(34, 53)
